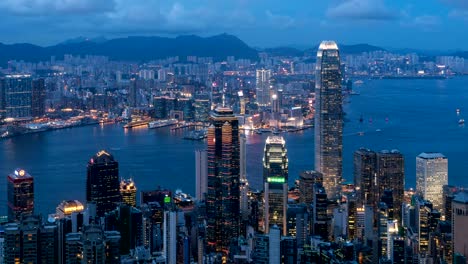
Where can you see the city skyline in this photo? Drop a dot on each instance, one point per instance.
(431, 26)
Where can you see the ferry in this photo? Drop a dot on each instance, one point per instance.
(196, 135)
(461, 121)
(162, 123)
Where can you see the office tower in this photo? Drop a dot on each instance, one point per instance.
(391, 176)
(298, 223)
(275, 178)
(128, 192)
(133, 93)
(17, 93)
(449, 193)
(263, 87)
(260, 254)
(274, 245)
(459, 223)
(38, 98)
(66, 208)
(319, 213)
(244, 184)
(365, 176)
(201, 174)
(20, 194)
(307, 180)
(329, 117)
(128, 221)
(222, 203)
(30, 247)
(12, 244)
(431, 176)
(241, 102)
(202, 109)
(102, 182)
(170, 236)
(275, 106)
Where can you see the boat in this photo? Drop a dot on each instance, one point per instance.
(358, 82)
(361, 133)
(162, 123)
(196, 135)
(386, 119)
(370, 120)
(361, 119)
(354, 93)
(461, 121)
(458, 111)
(378, 130)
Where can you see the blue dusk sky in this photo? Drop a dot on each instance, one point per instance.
(422, 24)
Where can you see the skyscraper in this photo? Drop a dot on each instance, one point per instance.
(38, 98)
(275, 178)
(17, 92)
(201, 174)
(128, 192)
(263, 87)
(391, 176)
(222, 203)
(431, 176)
(365, 176)
(102, 182)
(329, 117)
(20, 194)
(307, 180)
(133, 93)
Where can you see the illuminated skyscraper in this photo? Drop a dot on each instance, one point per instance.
(102, 182)
(128, 192)
(275, 178)
(431, 176)
(329, 117)
(263, 87)
(307, 180)
(459, 223)
(222, 203)
(20, 194)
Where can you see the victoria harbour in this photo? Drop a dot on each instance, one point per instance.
(412, 116)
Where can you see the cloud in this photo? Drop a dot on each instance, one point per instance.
(47, 7)
(362, 10)
(280, 21)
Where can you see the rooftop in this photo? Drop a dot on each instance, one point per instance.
(461, 197)
(328, 45)
(275, 140)
(19, 174)
(431, 155)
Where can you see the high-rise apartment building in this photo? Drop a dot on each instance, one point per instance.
(431, 176)
(263, 87)
(20, 193)
(329, 117)
(102, 182)
(222, 201)
(275, 178)
(128, 192)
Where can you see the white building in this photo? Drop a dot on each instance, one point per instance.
(431, 176)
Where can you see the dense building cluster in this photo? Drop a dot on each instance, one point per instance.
(318, 219)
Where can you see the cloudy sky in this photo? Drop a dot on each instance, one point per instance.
(426, 24)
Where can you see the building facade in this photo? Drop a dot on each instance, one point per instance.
(431, 176)
(102, 182)
(20, 193)
(222, 202)
(329, 117)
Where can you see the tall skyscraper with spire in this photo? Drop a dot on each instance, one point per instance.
(222, 200)
(329, 117)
